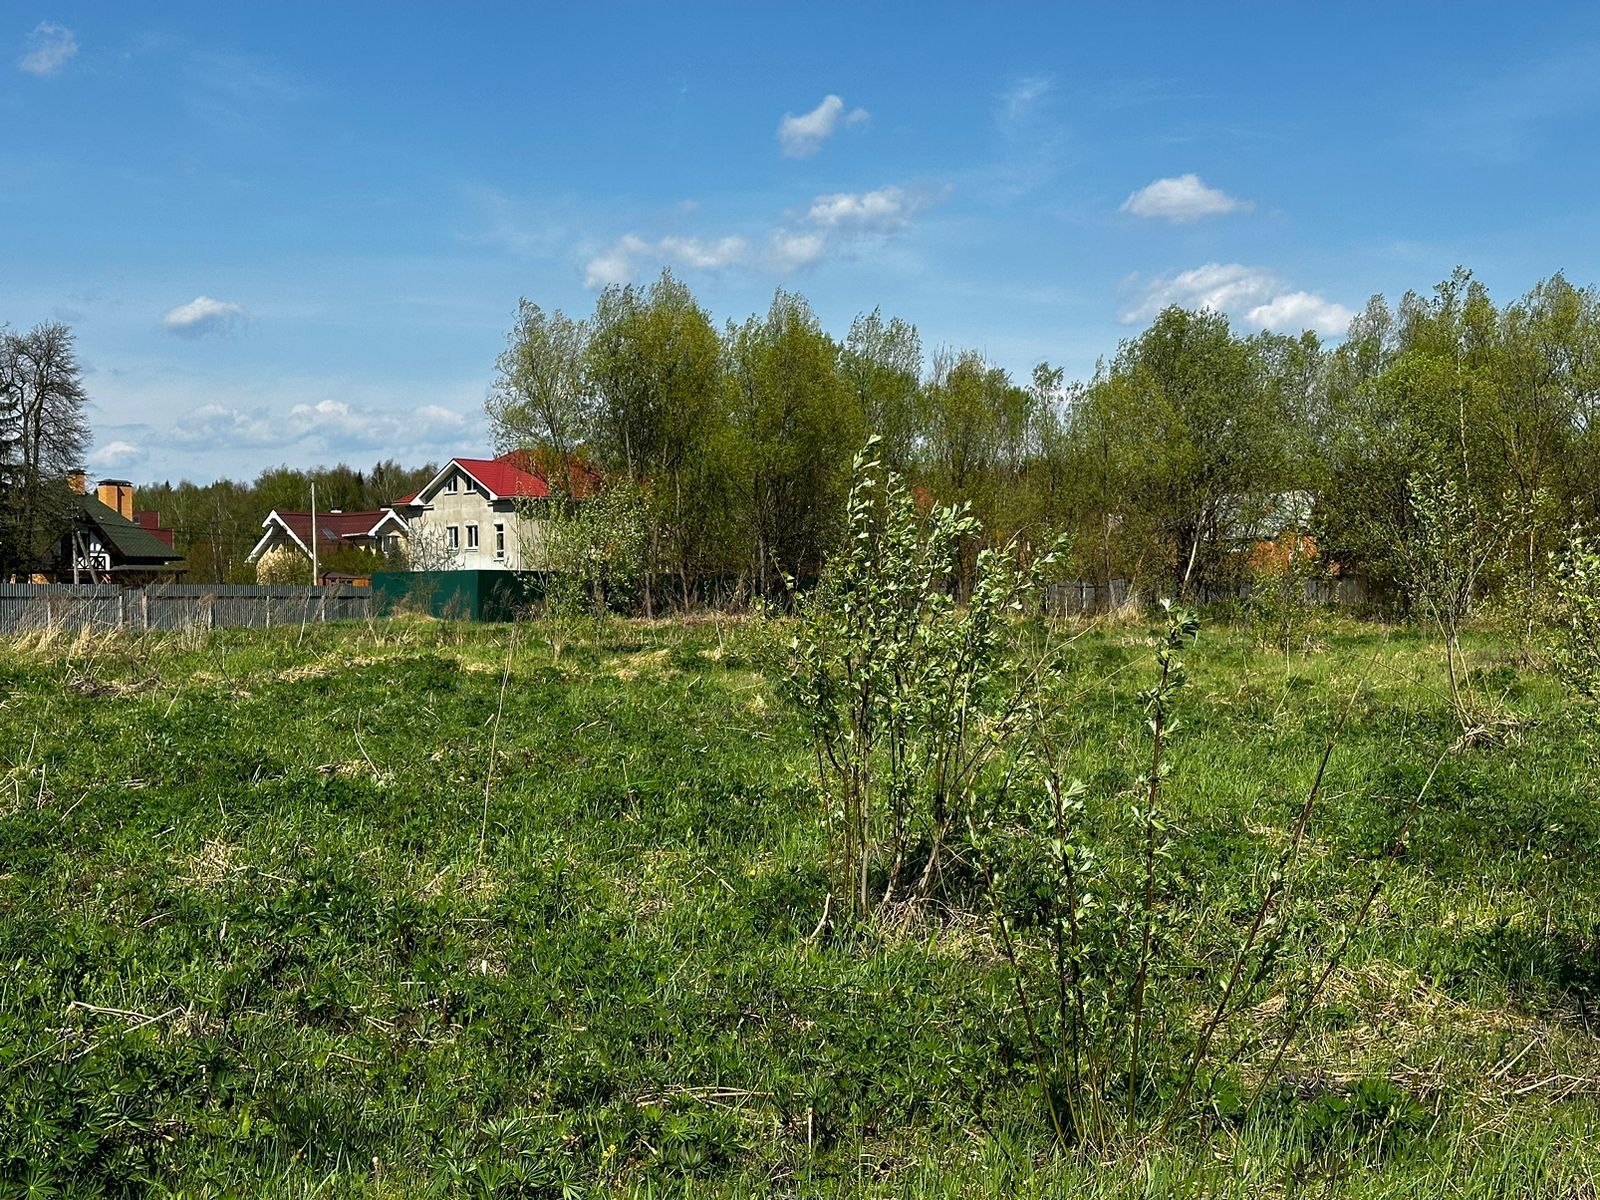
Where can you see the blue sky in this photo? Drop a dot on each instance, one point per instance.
(299, 233)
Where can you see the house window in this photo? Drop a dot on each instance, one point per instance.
(472, 537)
(499, 540)
(452, 484)
(452, 536)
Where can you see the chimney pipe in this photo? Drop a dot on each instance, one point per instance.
(117, 494)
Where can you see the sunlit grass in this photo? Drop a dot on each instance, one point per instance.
(262, 934)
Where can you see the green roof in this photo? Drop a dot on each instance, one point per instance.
(132, 542)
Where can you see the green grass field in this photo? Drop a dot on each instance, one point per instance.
(423, 909)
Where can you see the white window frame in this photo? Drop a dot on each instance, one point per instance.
(472, 536)
(452, 537)
(499, 539)
(453, 484)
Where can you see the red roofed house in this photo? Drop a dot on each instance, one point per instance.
(288, 535)
(485, 513)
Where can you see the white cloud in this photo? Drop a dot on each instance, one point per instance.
(691, 252)
(205, 421)
(1182, 199)
(219, 424)
(830, 225)
(884, 210)
(50, 47)
(437, 416)
(803, 136)
(334, 421)
(792, 249)
(117, 454)
(618, 262)
(1255, 296)
(612, 265)
(327, 424)
(1294, 311)
(204, 315)
(1222, 287)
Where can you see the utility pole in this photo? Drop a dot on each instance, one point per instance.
(313, 533)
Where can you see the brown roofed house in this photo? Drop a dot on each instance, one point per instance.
(109, 542)
(289, 538)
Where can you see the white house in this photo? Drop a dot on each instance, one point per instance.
(485, 513)
(290, 534)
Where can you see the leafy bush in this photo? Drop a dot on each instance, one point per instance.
(908, 695)
(1086, 894)
(1574, 620)
(1448, 554)
(1280, 604)
(929, 717)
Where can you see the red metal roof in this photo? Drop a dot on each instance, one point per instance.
(523, 474)
(504, 478)
(333, 526)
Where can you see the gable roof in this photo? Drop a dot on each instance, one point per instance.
(516, 475)
(133, 543)
(333, 528)
(504, 480)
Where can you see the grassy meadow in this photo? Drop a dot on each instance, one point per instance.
(423, 909)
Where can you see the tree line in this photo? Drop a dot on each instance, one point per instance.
(1188, 446)
(728, 449)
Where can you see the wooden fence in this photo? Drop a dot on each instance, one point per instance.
(27, 607)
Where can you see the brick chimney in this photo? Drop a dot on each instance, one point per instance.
(117, 494)
(78, 481)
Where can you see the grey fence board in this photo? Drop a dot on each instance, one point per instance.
(1078, 596)
(27, 607)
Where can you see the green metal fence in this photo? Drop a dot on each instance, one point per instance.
(457, 595)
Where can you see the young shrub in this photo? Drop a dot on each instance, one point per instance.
(594, 557)
(1447, 555)
(1084, 923)
(1573, 621)
(908, 695)
(1130, 1032)
(1281, 605)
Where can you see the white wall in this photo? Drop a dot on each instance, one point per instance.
(468, 506)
